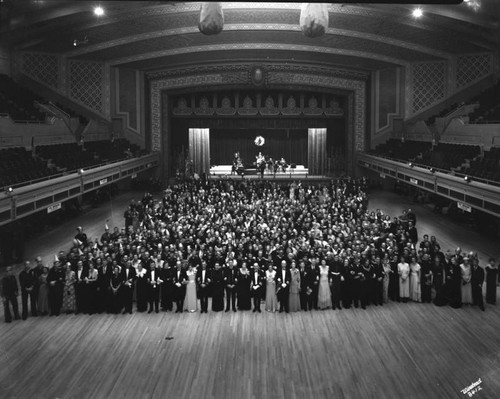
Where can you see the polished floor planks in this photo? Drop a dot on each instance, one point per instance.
(394, 351)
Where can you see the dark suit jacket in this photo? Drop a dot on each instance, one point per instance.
(132, 274)
(9, 286)
(230, 277)
(207, 282)
(279, 281)
(259, 285)
(178, 278)
(153, 284)
(477, 278)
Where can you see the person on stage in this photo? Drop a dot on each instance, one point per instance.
(9, 293)
(56, 288)
(477, 281)
(294, 296)
(271, 300)
(190, 300)
(127, 289)
(154, 282)
(256, 287)
(179, 280)
(404, 281)
(491, 281)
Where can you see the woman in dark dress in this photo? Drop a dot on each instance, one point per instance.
(452, 289)
(141, 289)
(491, 281)
(217, 288)
(394, 279)
(244, 301)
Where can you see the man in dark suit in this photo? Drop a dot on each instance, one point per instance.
(283, 279)
(27, 282)
(9, 295)
(203, 280)
(257, 282)
(154, 281)
(55, 280)
(167, 289)
(127, 288)
(104, 273)
(477, 281)
(230, 281)
(179, 278)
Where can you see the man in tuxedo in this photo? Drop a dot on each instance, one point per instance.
(27, 282)
(127, 288)
(9, 295)
(477, 281)
(167, 288)
(256, 287)
(179, 288)
(283, 279)
(203, 279)
(230, 281)
(154, 282)
(104, 273)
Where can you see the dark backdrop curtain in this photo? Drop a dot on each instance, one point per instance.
(290, 144)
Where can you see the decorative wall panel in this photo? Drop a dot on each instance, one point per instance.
(471, 68)
(86, 82)
(42, 67)
(429, 84)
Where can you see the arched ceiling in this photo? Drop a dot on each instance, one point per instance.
(154, 35)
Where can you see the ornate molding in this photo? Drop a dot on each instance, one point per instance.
(282, 78)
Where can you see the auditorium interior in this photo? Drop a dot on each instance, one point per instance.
(324, 131)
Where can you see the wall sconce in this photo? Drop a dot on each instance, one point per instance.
(467, 179)
(9, 191)
(410, 164)
(81, 171)
(432, 170)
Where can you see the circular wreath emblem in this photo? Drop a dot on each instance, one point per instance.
(259, 141)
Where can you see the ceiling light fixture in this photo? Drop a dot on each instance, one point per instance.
(99, 11)
(417, 12)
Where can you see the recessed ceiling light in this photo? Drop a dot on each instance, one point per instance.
(99, 11)
(417, 12)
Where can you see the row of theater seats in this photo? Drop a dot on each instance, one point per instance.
(407, 150)
(18, 165)
(18, 102)
(445, 156)
(489, 106)
(486, 167)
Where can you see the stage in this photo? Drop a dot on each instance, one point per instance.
(298, 173)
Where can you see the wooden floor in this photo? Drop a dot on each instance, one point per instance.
(395, 351)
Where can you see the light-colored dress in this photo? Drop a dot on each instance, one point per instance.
(69, 297)
(271, 300)
(324, 293)
(404, 281)
(387, 273)
(466, 272)
(190, 300)
(415, 292)
(294, 298)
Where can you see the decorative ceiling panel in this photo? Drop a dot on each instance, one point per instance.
(229, 38)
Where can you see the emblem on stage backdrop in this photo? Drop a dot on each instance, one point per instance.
(259, 141)
(257, 75)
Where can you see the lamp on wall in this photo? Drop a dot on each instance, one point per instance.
(77, 42)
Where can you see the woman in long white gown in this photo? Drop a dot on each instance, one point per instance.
(190, 300)
(324, 293)
(404, 281)
(415, 290)
(271, 300)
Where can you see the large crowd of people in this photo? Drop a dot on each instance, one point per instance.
(291, 247)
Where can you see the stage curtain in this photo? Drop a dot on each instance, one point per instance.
(316, 151)
(199, 149)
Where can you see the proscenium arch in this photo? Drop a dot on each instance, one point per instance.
(278, 76)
